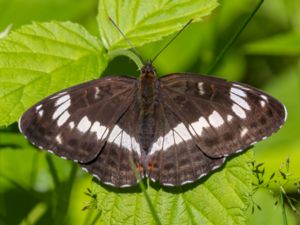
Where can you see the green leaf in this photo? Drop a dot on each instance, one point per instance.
(283, 44)
(20, 12)
(147, 21)
(221, 199)
(39, 59)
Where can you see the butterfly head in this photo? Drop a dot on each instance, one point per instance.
(148, 70)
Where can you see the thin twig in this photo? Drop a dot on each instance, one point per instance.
(234, 38)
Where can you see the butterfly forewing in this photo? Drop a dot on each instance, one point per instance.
(223, 117)
(174, 129)
(76, 122)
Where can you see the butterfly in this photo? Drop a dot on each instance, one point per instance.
(174, 129)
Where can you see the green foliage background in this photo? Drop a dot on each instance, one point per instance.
(35, 187)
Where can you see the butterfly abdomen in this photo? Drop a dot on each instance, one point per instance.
(147, 102)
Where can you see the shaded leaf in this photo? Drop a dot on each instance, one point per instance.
(19, 12)
(283, 44)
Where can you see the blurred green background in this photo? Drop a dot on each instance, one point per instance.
(266, 56)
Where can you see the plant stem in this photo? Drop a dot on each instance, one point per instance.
(234, 38)
(142, 186)
(129, 54)
(283, 206)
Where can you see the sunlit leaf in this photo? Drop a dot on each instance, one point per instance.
(221, 199)
(147, 21)
(39, 59)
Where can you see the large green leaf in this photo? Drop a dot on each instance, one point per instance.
(221, 199)
(147, 21)
(39, 59)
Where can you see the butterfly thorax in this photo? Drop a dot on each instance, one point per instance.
(147, 100)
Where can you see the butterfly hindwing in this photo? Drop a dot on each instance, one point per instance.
(174, 158)
(122, 153)
(75, 122)
(174, 129)
(223, 117)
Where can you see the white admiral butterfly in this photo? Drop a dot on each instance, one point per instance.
(176, 128)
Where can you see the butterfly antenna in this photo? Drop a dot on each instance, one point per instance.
(127, 40)
(176, 35)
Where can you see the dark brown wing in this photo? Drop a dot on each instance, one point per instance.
(174, 158)
(222, 117)
(76, 122)
(121, 153)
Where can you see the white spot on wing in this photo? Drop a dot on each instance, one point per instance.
(199, 125)
(201, 89)
(119, 137)
(187, 182)
(58, 138)
(63, 107)
(84, 169)
(216, 167)
(105, 182)
(62, 100)
(71, 125)
(63, 118)
(169, 184)
(229, 118)
(177, 138)
(135, 146)
(202, 175)
(238, 92)
(96, 176)
(239, 111)
(264, 97)
(117, 140)
(114, 133)
(38, 107)
(262, 103)
(157, 145)
(98, 129)
(215, 119)
(244, 131)
(285, 113)
(177, 135)
(19, 125)
(41, 113)
(105, 133)
(84, 125)
(126, 141)
(125, 185)
(168, 140)
(241, 87)
(183, 132)
(97, 91)
(239, 100)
